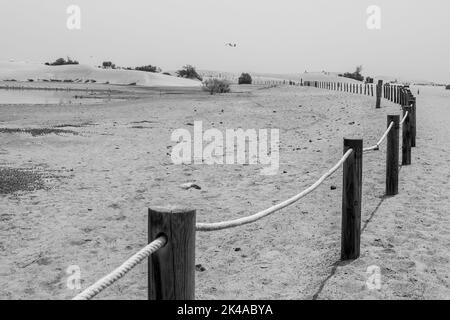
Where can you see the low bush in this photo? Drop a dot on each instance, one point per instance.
(245, 78)
(216, 86)
(148, 68)
(108, 65)
(354, 75)
(189, 72)
(62, 62)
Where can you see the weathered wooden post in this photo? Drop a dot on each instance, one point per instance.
(406, 137)
(171, 269)
(396, 94)
(351, 200)
(413, 123)
(392, 155)
(379, 88)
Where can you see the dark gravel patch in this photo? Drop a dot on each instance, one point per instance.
(73, 125)
(38, 131)
(13, 180)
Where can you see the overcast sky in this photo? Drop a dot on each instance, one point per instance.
(282, 36)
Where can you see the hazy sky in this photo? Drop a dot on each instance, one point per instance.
(283, 36)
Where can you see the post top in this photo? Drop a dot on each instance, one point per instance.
(171, 208)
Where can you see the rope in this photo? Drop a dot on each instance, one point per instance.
(133, 261)
(241, 221)
(404, 118)
(377, 146)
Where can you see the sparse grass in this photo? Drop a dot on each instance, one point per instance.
(13, 180)
(38, 131)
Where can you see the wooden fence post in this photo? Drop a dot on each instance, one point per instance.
(371, 88)
(351, 200)
(392, 156)
(413, 123)
(379, 91)
(171, 269)
(406, 137)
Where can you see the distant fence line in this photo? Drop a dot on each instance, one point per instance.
(172, 230)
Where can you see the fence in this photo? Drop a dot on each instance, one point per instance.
(172, 230)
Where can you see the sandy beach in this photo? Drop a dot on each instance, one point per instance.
(114, 162)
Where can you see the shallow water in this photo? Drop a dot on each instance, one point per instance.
(45, 97)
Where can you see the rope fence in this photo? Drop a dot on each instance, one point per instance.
(121, 271)
(242, 221)
(404, 118)
(171, 255)
(383, 137)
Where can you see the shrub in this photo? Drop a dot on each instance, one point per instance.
(189, 72)
(245, 78)
(369, 80)
(62, 62)
(148, 68)
(447, 87)
(108, 65)
(216, 86)
(354, 75)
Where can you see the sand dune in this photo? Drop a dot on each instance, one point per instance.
(24, 71)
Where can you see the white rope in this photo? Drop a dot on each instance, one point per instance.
(133, 261)
(377, 146)
(404, 118)
(241, 221)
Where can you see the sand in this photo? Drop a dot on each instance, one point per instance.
(25, 71)
(100, 182)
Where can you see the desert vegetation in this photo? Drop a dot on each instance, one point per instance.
(216, 86)
(189, 72)
(447, 87)
(245, 78)
(62, 62)
(148, 68)
(356, 75)
(108, 65)
(369, 80)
